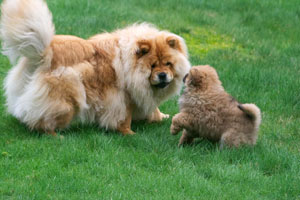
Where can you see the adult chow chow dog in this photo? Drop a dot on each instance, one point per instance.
(108, 79)
(208, 111)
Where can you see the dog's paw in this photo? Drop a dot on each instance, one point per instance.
(130, 133)
(127, 132)
(164, 116)
(174, 130)
(157, 117)
(179, 145)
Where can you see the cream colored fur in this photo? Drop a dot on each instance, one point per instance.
(42, 95)
(26, 29)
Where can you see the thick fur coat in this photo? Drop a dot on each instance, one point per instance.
(108, 79)
(208, 111)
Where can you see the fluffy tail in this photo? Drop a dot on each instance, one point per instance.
(26, 29)
(252, 111)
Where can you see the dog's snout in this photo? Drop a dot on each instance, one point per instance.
(184, 78)
(162, 76)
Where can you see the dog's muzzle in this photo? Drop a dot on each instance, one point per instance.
(162, 85)
(184, 78)
(163, 80)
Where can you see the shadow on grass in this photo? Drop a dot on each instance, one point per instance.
(81, 129)
(149, 138)
(76, 129)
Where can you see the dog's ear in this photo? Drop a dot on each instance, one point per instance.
(177, 43)
(173, 42)
(143, 48)
(196, 78)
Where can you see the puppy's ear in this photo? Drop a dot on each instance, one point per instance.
(177, 43)
(143, 48)
(196, 78)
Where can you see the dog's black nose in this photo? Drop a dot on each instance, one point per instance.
(162, 76)
(184, 78)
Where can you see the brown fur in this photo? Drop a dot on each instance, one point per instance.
(109, 79)
(207, 111)
(93, 59)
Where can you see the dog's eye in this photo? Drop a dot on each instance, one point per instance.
(153, 65)
(168, 64)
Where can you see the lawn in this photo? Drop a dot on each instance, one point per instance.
(255, 47)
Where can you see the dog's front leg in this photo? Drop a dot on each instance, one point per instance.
(179, 121)
(157, 116)
(125, 126)
(185, 138)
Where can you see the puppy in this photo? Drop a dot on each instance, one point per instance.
(208, 111)
(109, 79)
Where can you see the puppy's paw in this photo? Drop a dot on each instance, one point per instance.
(174, 129)
(179, 145)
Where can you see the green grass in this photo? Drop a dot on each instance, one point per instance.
(254, 45)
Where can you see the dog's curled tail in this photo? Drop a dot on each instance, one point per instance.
(26, 29)
(252, 111)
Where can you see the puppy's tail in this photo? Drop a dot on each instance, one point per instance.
(26, 29)
(252, 111)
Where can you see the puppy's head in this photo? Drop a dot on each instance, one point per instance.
(164, 57)
(202, 77)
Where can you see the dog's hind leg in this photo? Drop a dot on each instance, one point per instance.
(57, 117)
(125, 126)
(232, 138)
(51, 100)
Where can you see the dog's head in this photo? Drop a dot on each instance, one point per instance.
(202, 77)
(164, 57)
